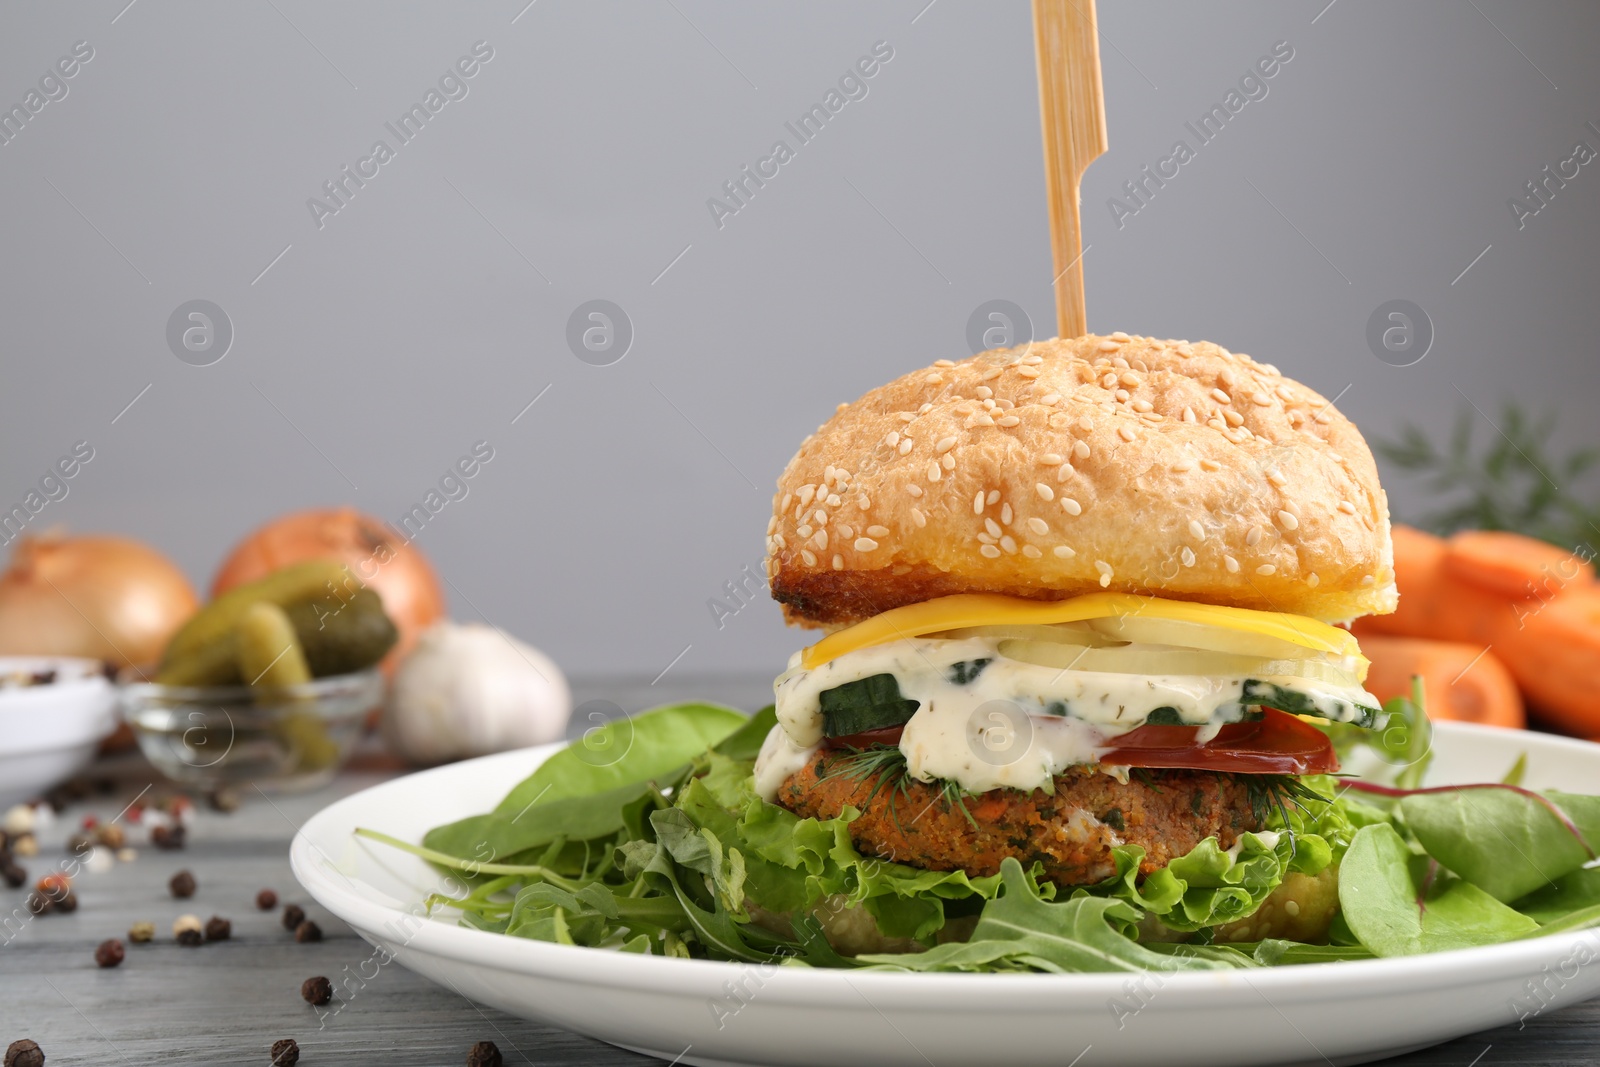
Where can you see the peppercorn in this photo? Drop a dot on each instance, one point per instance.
(190, 938)
(141, 933)
(285, 1053)
(484, 1054)
(167, 837)
(218, 929)
(38, 903)
(24, 1053)
(224, 800)
(266, 900)
(293, 916)
(68, 903)
(111, 835)
(316, 990)
(307, 931)
(185, 922)
(25, 845)
(79, 843)
(182, 885)
(13, 873)
(110, 953)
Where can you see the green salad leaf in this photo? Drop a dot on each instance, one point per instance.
(1505, 840)
(1400, 902)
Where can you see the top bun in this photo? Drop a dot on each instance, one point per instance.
(1060, 468)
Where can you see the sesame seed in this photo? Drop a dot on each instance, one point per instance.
(1007, 421)
(1028, 372)
(981, 420)
(924, 409)
(1044, 491)
(1277, 479)
(1322, 417)
(833, 500)
(993, 497)
(1261, 399)
(787, 498)
(1143, 406)
(1031, 552)
(1008, 545)
(1312, 580)
(945, 444)
(1120, 336)
(1064, 470)
(811, 560)
(806, 493)
(1105, 572)
(1183, 466)
(1188, 415)
(1050, 399)
(1121, 395)
(992, 526)
(1288, 521)
(1186, 349)
(1031, 361)
(877, 531)
(1080, 450)
(1197, 531)
(1285, 393)
(1187, 555)
(804, 531)
(1130, 380)
(1127, 433)
(838, 563)
(943, 363)
(1005, 514)
(977, 503)
(1266, 569)
(1226, 377)
(820, 517)
(914, 490)
(1296, 418)
(1085, 423)
(892, 439)
(905, 445)
(1367, 579)
(1038, 526)
(949, 462)
(989, 375)
(989, 551)
(984, 392)
(1063, 552)
(1233, 417)
(1231, 563)
(772, 524)
(1210, 465)
(1253, 538)
(866, 544)
(1347, 507)
(1071, 506)
(845, 530)
(1220, 397)
(1107, 346)
(918, 517)
(821, 539)
(984, 538)
(1109, 381)
(907, 416)
(934, 473)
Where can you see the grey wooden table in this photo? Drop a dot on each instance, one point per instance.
(226, 1002)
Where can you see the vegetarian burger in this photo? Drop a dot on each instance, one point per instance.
(1079, 598)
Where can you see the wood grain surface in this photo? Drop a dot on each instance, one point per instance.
(226, 1002)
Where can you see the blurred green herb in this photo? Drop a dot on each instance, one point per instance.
(1514, 483)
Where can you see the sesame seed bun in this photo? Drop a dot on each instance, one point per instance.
(1123, 463)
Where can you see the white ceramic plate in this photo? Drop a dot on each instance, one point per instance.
(701, 1012)
(50, 732)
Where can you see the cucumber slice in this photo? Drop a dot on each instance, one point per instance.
(866, 704)
(1309, 701)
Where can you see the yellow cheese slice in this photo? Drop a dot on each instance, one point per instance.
(988, 609)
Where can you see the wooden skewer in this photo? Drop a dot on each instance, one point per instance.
(1072, 109)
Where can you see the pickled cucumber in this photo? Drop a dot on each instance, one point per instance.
(216, 622)
(346, 638)
(270, 659)
(269, 651)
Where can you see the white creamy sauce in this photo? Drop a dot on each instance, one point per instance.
(1016, 724)
(779, 759)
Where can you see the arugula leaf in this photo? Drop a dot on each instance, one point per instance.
(1399, 903)
(1082, 934)
(649, 745)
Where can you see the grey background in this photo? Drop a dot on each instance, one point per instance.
(430, 311)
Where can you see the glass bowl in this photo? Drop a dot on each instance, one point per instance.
(293, 737)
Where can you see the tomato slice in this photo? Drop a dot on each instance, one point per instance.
(1277, 744)
(883, 735)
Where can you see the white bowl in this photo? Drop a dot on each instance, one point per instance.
(703, 1012)
(50, 732)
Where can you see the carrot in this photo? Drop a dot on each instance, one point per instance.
(1514, 566)
(989, 807)
(1549, 642)
(1463, 683)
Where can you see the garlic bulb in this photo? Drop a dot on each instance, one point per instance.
(468, 690)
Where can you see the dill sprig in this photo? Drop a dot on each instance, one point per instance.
(885, 766)
(1516, 483)
(1271, 794)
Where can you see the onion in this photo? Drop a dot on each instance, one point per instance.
(107, 598)
(377, 555)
